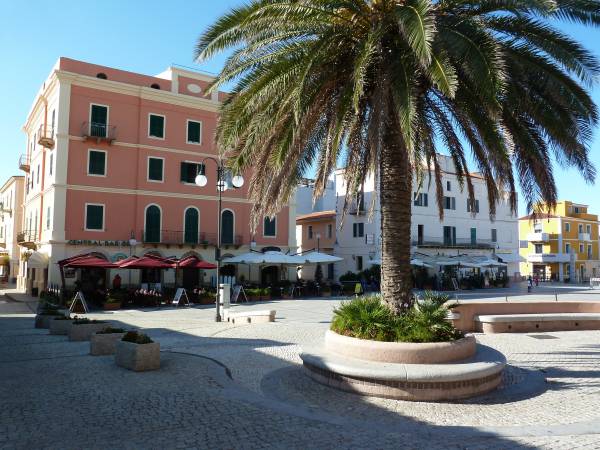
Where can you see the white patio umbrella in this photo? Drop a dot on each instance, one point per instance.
(418, 263)
(314, 257)
(270, 257)
(492, 263)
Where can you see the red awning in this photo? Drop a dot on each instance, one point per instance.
(193, 262)
(145, 262)
(87, 261)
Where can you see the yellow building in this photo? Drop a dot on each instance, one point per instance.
(560, 245)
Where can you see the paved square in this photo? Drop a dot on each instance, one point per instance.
(224, 386)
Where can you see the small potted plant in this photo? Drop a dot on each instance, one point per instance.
(104, 342)
(137, 352)
(112, 304)
(265, 293)
(82, 328)
(61, 324)
(253, 294)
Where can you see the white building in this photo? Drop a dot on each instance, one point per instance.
(11, 219)
(358, 236)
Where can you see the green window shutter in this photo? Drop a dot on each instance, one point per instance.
(183, 172)
(152, 231)
(97, 163)
(191, 226)
(94, 217)
(193, 132)
(155, 169)
(270, 227)
(99, 114)
(227, 227)
(157, 126)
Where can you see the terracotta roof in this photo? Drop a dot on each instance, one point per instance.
(316, 215)
(539, 216)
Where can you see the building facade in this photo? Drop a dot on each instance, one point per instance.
(463, 231)
(110, 165)
(11, 217)
(561, 245)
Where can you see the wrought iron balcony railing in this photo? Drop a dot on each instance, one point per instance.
(46, 136)
(99, 131)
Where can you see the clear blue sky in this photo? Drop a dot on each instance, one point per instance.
(145, 37)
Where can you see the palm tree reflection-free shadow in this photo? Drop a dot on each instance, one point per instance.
(285, 390)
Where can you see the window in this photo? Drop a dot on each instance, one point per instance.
(567, 227)
(420, 234)
(94, 217)
(97, 163)
(568, 248)
(448, 186)
(189, 170)
(227, 226)
(473, 236)
(537, 227)
(51, 163)
(588, 229)
(580, 228)
(589, 251)
(580, 248)
(270, 227)
(152, 224)
(37, 181)
(449, 203)
(329, 231)
(539, 248)
(359, 263)
(156, 126)
(449, 235)
(190, 226)
(98, 120)
(48, 217)
(310, 232)
(420, 199)
(101, 75)
(470, 208)
(155, 168)
(358, 229)
(523, 244)
(155, 86)
(576, 210)
(494, 235)
(194, 132)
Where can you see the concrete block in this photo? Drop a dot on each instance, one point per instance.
(138, 357)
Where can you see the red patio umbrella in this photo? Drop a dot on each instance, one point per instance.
(145, 262)
(90, 261)
(193, 262)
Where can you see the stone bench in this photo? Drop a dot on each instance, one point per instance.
(523, 323)
(418, 382)
(263, 316)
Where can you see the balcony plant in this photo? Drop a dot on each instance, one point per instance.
(104, 342)
(83, 328)
(137, 352)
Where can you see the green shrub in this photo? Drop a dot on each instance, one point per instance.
(111, 330)
(368, 317)
(137, 338)
(84, 320)
(254, 292)
(349, 276)
(265, 292)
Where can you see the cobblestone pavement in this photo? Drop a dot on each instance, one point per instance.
(229, 387)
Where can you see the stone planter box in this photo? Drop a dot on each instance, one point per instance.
(254, 298)
(138, 357)
(326, 294)
(104, 344)
(401, 352)
(84, 331)
(60, 326)
(43, 320)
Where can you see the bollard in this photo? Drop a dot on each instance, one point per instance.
(555, 296)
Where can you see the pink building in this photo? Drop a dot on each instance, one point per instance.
(110, 161)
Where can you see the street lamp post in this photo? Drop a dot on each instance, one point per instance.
(237, 182)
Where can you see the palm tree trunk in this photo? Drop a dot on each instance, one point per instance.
(395, 191)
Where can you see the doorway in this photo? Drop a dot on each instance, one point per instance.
(269, 275)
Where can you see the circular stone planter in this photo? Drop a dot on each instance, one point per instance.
(401, 352)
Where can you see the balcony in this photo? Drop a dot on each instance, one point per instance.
(173, 237)
(548, 257)
(100, 132)
(538, 237)
(2, 244)
(585, 237)
(27, 239)
(438, 242)
(24, 163)
(46, 136)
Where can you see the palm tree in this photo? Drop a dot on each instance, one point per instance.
(380, 85)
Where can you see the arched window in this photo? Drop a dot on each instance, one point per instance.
(101, 75)
(153, 219)
(155, 86)
(190, 226)
(227, 227)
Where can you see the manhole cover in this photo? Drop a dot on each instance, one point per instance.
(542, 336)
